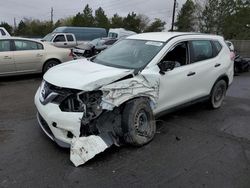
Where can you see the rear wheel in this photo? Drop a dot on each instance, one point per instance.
(218, 94)
(49, 64)
(138, 122)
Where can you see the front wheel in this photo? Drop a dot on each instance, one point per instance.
(138, 122)
(218, 94)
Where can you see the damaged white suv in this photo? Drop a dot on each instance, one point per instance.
(117, 94)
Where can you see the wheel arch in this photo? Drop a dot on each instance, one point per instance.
(51, 59)
(222, 77)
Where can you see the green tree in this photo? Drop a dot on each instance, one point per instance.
(78, 20)
(186, 17)
(116, 21)
(88, 16)
(6, 26)
(101, 19)
(85, 19)
(132, 22)
(156, 26)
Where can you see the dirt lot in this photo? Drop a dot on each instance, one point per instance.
(194, 147)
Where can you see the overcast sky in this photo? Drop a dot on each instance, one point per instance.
(40, 9)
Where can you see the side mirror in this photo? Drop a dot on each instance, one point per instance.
(166, 66)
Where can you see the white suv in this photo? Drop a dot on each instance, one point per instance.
(117, 94)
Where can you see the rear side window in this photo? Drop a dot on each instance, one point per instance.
(4, 45)
(218, 47)
(60, 38)
(202, 50)
(21, 45)
(2, 32)
(39, 46)
(70, 38)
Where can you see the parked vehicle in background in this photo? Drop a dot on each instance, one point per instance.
(116, 94)
(241, 64)
(120, 33)
(4, 32)
(24, 56)
(62, 40)
(80, 35)
(93, 47)
(230, 45)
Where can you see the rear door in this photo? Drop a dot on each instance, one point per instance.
(28, 55)
(71, 41)
(206, 64)
(6, 57)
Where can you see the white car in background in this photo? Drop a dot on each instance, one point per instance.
(24, 56)
(114, 97)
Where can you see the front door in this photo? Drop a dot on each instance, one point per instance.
(177, 86)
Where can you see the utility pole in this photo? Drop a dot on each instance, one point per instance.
(51, 15)
(14, 24)
(173, 17)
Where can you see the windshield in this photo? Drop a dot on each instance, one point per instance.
(48, 37)
(129, 54)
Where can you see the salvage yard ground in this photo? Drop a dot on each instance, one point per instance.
(194, 147)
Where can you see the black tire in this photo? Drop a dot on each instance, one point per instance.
(218, 94)
(138, 123)
(49, 64)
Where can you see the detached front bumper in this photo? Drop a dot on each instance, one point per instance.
(59, 126)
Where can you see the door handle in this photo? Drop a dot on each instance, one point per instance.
(217, 65)
(191, 73)
(7, 57)
(39, 55)
(65, 44)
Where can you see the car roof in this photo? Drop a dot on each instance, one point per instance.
(165, 36)
(20, 38)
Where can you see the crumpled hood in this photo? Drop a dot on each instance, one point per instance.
(84, 75)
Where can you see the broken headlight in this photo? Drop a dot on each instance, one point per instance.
(87, 102)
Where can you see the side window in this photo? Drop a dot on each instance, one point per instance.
(217, 47)
(39, 46)
(70, 38)
(25, 45)
(179, 54)
(2, 32)
(4, 45)
(202, 50)
(60, 38)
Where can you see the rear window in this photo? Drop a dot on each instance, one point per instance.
(202, 50)
(4, 45)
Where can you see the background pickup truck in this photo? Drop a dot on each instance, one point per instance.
(62, 40)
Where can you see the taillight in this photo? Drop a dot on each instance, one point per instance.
(232, 56)
(71, 53)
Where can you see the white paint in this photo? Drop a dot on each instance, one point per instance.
(85, 148)
(84, 75)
